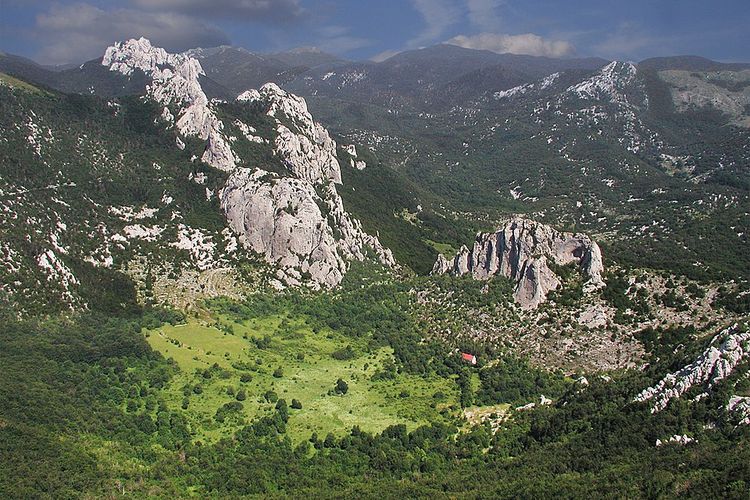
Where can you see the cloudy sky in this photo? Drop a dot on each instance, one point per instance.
(57, 32)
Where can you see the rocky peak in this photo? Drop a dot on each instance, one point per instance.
(128, 56)
(175, 82)
(727, 349)
(610, 83)
(521, 250)
(303, 144)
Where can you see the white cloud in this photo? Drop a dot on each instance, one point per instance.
(483, 13)
(438, 15)
(527, 43)
(386, 54)
(79, 32)
(279, 10)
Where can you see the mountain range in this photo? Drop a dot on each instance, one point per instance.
(452, 263)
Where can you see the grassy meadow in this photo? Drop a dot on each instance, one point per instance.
(286, 356)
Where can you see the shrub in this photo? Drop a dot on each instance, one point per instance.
(344, 353)
(341, 387)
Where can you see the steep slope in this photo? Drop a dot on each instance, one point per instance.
(126, 189)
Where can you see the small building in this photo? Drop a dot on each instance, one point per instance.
(469, 358)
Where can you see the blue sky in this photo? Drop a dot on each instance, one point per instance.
(73, 31)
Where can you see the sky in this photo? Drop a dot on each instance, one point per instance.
(63, 32)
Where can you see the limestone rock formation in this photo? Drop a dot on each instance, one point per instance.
(286, 220)
(739, 406)
(716, 363)
(521, 250)
(675, 439)
(298, 221)
(175, 82)
(307, 151)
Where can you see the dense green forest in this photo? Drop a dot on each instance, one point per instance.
(368, 388)
(84, 412)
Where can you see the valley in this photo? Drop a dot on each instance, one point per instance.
(453, 273)
(284, 359)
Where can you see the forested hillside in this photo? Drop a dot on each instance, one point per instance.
(457, 274)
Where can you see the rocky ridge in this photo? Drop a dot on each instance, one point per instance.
(716, 363)
(521, 251)
(308, 152)
(175, 84)
(299, 221)
(296, 221)
(610, 83)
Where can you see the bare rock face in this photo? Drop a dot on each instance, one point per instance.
(175, 83)
(298, 221)
(521, 251)
(308, 235)
(716, 363)
(281, 218)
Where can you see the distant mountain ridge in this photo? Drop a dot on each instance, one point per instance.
(689, 63)
(440, 76)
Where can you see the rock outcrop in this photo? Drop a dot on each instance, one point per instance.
(307, 234)
(297, 221)
(716, 363)
(675, 439)
(307, 151)
(521, 251)
(739, 407)
(175, 82)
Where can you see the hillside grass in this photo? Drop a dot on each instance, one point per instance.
(309, 374)
(446, 249)
(19, 84)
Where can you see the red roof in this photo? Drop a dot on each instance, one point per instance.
(467, 356)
